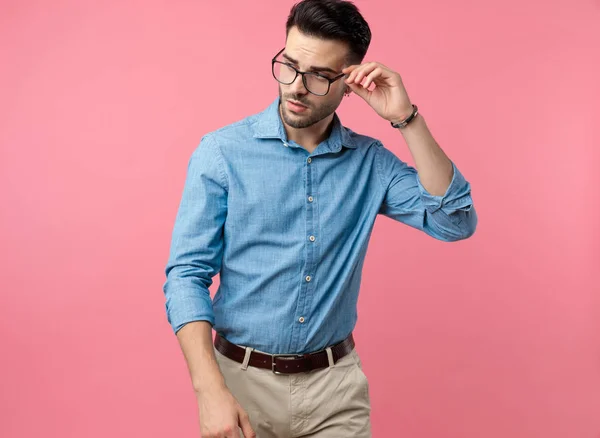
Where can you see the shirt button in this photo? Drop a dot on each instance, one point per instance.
(308, 278)
(285, 144)
(309, 160)
(310, 199)
(312, 238)
(301, 319)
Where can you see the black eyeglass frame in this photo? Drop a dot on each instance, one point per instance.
(303, 73)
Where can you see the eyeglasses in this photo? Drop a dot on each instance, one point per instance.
(314, 82)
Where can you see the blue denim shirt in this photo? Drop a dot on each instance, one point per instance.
(288, 231)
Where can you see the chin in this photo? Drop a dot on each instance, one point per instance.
(293, 115)
(296, 116)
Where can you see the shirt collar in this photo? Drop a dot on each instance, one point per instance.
(268, 124)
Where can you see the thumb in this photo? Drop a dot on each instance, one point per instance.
(359, 89)
(244, 423)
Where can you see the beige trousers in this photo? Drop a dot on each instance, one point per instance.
(327, 403)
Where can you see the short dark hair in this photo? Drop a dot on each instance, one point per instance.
(332, 20)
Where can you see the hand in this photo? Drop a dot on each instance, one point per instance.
(388, 98)
(221, 414)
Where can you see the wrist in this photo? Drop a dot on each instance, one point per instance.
(403, 122)
(403, 115)
(209, 388)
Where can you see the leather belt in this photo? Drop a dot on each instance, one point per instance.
(285, 363)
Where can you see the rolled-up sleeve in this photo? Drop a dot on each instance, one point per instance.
(197, 240)
(449, 218)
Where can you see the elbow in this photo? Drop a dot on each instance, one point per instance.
(467, 231)
(465, 228)
(460, 225)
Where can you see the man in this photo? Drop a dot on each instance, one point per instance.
(282, 204)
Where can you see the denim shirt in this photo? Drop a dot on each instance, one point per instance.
(288, 231)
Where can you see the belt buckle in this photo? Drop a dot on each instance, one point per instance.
(283, 356)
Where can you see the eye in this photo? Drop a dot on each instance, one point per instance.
(321, 75)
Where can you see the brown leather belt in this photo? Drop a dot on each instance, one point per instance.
(285, 363)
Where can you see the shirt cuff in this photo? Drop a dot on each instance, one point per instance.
(457, 196)
(184, 309)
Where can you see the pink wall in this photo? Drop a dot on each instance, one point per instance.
(102, 104)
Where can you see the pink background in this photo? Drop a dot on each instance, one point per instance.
(102, 104)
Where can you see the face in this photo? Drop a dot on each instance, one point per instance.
(306, 53)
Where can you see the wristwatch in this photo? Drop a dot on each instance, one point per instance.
(406, 121)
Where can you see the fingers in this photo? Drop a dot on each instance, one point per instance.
(372, 71)
(350, 68)
(358, 73)
(245, 425)
(374, 74)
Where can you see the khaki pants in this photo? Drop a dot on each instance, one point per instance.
(327, 403)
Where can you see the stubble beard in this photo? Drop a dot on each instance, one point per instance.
(299, 121)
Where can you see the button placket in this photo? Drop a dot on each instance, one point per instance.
(305, 298)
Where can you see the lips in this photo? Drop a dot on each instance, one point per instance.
(297, 103)
(296, 107)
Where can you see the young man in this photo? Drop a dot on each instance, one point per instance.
(282, 204)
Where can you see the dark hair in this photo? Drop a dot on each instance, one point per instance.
(333, 20)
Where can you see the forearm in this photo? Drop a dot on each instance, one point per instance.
(195, 339)
(432, 164)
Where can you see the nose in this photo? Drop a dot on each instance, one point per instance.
(297, 87)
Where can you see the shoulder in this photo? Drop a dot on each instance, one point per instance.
(236, 131)
(365, 143)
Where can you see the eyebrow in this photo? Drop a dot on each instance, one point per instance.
(312, 67)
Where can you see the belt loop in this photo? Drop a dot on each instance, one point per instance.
(247, 358)
(330, 356)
